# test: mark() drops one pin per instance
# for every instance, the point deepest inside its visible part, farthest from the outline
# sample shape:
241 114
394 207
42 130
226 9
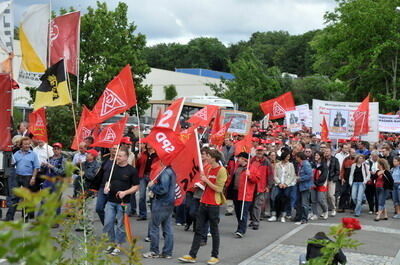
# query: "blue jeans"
292 199
357 194
101 204
180 215
396 194
161 215
142 199
115 232
381 193
242 222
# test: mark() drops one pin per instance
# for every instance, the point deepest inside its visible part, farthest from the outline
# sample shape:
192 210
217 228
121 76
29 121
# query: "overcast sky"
228 20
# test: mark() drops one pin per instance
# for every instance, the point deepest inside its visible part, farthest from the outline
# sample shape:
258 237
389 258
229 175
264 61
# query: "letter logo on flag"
277 107
204 116
38 124
111 135
64 37
33 35
119 96
111 102
361 117
170 118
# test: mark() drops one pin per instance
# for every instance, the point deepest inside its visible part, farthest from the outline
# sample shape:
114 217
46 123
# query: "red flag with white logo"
245 144
361 116
277 107
38 125
64 40
204 116
219 137
187 168
166 143
170 118
111 134
84 129
324 131
119 96
216 126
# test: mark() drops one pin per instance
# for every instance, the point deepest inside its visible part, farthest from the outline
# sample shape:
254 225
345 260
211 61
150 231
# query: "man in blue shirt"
26 167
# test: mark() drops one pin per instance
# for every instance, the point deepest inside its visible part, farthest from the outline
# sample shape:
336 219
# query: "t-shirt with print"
123 178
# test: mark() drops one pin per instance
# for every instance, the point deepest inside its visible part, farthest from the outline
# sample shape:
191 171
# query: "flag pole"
112 167
138 118
198 151
49 37
70 95
245 186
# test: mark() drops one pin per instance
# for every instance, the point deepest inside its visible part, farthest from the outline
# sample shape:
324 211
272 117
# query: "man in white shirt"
80 157
43 151
343 154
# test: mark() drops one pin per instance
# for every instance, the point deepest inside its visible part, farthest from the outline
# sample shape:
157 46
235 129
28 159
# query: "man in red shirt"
214 180
264 168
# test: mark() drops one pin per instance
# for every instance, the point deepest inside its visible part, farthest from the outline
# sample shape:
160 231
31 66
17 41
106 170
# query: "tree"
253 83
361 45
108 43
170 92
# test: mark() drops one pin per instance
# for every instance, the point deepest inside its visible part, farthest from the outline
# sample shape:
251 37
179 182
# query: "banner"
6 37
38 124
5 112
241 121
64 40
389 123
33 35
292 119
339 116
305 115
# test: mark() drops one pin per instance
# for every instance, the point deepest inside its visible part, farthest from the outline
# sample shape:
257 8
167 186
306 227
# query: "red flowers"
351 223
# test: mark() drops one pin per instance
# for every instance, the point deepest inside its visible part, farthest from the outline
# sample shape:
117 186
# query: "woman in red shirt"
383 183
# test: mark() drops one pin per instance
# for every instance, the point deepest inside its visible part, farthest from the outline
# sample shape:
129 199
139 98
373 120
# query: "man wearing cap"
241 186
55 169
26 168
263 165
126 143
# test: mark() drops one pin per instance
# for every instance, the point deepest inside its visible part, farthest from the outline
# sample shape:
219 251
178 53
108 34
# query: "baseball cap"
260 148
59 145
93 152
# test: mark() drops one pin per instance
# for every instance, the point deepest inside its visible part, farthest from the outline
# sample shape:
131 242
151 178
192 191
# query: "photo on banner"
241 121
330 109
293 121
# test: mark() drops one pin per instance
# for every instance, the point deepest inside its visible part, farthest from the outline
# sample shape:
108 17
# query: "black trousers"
371 197
206 213
345 196
16 181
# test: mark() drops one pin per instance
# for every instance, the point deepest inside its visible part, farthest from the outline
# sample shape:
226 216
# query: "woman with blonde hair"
383 183
359 175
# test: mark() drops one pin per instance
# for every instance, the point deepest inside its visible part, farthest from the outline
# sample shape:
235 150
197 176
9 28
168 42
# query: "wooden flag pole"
70 95
198 151
112 169
245 186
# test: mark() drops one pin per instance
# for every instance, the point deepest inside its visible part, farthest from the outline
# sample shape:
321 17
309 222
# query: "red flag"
84 130
119 96
361 118
111 134
64 40
324 131
166 143
216 124
170 118
204 116
219 137
187 167
5 112
245 144
277 107
158 117
38 125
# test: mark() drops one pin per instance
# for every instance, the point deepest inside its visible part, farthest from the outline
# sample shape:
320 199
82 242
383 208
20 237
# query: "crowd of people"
283 177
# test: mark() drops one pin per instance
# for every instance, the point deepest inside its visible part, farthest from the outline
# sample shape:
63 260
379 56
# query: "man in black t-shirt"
124 182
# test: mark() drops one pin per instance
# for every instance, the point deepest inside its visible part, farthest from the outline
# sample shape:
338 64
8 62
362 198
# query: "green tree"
108 43
253 83
167 56
360 45
208 53
170 92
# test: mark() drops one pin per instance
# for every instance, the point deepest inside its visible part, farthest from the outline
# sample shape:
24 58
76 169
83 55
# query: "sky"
228 20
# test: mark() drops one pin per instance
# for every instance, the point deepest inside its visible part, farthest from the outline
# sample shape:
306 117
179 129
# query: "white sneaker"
333 213
325 215
272 219
115 252
314 217
209 234
283 220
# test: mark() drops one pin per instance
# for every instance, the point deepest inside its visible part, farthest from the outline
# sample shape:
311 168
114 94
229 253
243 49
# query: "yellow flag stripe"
30 60
45 99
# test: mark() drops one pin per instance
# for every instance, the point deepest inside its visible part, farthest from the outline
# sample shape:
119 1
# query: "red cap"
354 139
126 140
234 134
93 152
260 148
341 141
390 139
255 139
59 145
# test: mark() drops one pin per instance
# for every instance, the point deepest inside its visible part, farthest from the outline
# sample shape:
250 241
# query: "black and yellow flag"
53 91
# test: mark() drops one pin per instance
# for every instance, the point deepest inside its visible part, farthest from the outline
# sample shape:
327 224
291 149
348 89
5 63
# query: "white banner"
305 115
339 116
293 120
389 123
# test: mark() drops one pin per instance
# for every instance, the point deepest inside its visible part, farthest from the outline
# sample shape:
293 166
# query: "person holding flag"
211 200
163 188
124 182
